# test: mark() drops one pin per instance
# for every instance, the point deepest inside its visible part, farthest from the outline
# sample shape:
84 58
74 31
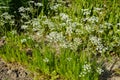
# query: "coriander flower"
64 44
97 9
95 40
24 16
46 60
21 9
38 4
55 37
69 59
14 32
69 30
93 19
64 16
55 7
87 68
36 23
108 24
24 26
23 40
6 16
77 41
27 9
31 2
118 24
86 11
99 70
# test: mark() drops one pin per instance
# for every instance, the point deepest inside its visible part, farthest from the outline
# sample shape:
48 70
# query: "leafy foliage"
62 39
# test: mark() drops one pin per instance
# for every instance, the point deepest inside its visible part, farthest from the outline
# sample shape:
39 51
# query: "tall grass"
69 43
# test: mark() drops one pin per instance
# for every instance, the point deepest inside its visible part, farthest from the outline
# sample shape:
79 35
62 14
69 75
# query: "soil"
10 71
111 69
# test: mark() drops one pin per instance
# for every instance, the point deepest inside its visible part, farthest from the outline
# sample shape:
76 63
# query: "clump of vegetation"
64 40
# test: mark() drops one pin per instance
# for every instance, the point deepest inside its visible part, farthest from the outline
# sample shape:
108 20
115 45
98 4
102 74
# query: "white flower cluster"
97 42
99 70
86 11
77 41
14 32
92 19
23 40
118 24
46 60
6 16
69 59
101 28
88 28
24 26
22 9
24 16
38 4
97 9
86 70
71 27
50 24
64 17
72 45
108 24
55 7
69 30
79 31
36 24
55 37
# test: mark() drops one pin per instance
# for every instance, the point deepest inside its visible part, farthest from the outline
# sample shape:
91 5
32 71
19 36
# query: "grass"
68 45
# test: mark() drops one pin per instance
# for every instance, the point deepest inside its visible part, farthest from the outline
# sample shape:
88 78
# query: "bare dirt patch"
9 71
111 69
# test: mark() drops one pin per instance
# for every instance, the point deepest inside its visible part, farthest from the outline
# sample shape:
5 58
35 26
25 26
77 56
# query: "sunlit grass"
66 45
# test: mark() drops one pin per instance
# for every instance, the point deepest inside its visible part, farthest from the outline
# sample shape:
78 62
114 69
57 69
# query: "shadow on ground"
111 70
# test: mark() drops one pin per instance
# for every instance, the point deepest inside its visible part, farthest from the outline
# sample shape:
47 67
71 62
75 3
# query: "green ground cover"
67 44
